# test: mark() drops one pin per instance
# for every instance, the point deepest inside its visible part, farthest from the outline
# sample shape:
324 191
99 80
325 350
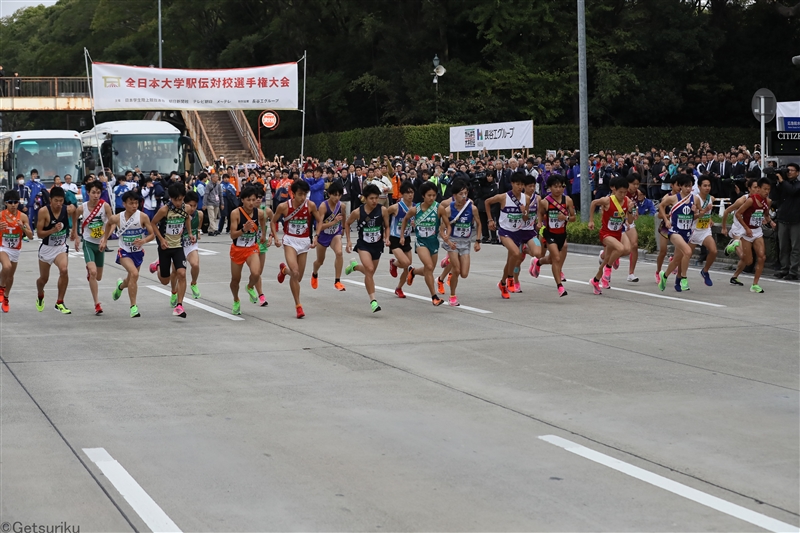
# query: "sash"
93 214
560 207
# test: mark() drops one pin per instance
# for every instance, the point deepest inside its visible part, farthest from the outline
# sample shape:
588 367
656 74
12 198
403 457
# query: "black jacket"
789 201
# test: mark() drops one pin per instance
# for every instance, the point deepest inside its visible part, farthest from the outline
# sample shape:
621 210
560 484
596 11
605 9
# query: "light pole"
438 70
159 35
586 189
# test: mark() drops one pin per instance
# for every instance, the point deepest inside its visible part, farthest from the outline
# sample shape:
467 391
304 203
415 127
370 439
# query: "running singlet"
298 225
613 218
370 225
397 221
57 238
554 225
427 222
682 218
754 215
171 226
336 229
461 227
12 236
131 230
511 212
533 207
248 238
186 240
93 230
704 221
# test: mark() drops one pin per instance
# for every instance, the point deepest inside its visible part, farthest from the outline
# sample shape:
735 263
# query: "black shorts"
559 239
170 255
373 250
394 242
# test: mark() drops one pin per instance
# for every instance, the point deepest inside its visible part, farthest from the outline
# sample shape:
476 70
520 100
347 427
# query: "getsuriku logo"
112 81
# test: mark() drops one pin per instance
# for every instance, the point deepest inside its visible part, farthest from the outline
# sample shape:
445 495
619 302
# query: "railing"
44 87
196 130
246 134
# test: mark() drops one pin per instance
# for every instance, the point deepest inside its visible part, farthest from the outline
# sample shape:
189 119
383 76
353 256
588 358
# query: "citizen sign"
270 120
786 136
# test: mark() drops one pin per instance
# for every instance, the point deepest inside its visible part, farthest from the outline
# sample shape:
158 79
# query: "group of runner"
530 225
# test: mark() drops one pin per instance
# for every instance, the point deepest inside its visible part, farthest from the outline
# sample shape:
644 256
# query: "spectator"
39 196
212 201
789 222
487 188
317 184
68 185
24 193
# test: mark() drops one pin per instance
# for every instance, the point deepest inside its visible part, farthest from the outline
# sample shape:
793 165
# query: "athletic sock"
336 280
558 285
59 302
596 280
41 295
314 275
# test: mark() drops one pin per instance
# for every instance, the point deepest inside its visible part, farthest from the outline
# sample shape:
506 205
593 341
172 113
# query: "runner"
634 181
169 224
426 220
263 246
297 214
135 231
752 215
559 211
663 231
532 244
96 213
53 227
461 224
736 232
190 249
247 222
329 235
513 215
402 252
14 226
373 234
701 234
684 210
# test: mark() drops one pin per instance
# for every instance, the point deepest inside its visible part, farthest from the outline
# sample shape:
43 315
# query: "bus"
144 144
50 152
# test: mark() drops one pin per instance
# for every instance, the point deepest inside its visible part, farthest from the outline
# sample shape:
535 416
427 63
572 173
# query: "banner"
122 88
499 136
788 114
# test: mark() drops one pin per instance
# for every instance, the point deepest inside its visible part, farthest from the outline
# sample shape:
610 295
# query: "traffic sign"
770 105
270 120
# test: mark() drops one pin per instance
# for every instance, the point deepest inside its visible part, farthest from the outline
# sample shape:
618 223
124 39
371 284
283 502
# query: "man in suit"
720 171
355 180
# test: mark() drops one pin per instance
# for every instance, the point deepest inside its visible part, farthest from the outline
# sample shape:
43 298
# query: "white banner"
499 136
122 88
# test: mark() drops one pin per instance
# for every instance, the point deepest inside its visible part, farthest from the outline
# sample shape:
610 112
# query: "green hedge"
432 138
579 232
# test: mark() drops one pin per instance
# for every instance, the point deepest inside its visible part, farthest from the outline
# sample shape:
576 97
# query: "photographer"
789 221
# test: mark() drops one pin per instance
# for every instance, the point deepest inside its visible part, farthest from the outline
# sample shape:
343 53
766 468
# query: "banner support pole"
303 132
87 58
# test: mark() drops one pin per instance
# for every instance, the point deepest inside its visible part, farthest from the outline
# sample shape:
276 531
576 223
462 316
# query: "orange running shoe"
314 280
338 286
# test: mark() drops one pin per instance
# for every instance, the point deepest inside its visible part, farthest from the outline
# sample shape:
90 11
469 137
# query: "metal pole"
87 58
586 189
303 133
763 133
159 35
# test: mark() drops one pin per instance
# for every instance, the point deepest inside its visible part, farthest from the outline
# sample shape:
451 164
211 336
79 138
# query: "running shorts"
189 249
698 236
373 250
239 254
757 234
515 236
92 254
13 253
462 246
394 242
170 255
136 257
300 244
559 239
48 254
663 231
262 247
431 243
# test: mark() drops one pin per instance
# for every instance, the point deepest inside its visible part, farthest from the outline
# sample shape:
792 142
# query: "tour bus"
143 144
50 152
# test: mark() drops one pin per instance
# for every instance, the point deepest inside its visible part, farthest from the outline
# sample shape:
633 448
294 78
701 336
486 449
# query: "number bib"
333 230
129 240
685 220
298 227
371 234
462 230
11 240
95 228
246 240
515 220
703 222
757 218
175 225
59 238
553 222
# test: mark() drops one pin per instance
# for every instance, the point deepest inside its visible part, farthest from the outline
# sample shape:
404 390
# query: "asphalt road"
659 411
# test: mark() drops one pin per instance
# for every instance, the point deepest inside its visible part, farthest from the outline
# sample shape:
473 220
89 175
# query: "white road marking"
698 302
204 307
423 298
141 502
203 251
737 511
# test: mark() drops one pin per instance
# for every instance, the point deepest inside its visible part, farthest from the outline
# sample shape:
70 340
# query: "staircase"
224 138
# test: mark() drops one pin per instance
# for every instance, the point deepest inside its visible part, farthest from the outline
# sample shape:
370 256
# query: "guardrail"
196 130
246 134
54 87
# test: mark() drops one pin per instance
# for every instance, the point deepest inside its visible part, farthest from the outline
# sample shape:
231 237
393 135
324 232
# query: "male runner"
329 235
373 234
532 244
634 181
96 213
555 211
663 231
751 216
513 215
190 249
297 214
684 210
701 234
170 222
263 244
14 225
615 211
52 227
246 223
737 230
426 221
402 252
461 224
135 231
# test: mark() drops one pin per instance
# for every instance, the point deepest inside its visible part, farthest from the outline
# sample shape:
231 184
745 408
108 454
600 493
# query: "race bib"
703 223
462 230
333 230
11 240
371 234
96 228
58 238
685 220
615 222
515 220
128 241
246 240
175 225
553 222
426 229
757 218
298 227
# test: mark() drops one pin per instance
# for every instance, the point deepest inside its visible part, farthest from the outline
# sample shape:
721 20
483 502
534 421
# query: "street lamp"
438 70
159 34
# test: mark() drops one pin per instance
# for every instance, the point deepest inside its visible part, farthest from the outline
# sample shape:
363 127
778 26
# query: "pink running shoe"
616 264
602 256
262 301
595 286
281 273
562 291
445 262
563 277
178 311
535 267
154 267
606 279
454 301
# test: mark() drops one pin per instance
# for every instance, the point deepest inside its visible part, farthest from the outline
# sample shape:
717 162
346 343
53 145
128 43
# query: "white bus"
50 152
143 144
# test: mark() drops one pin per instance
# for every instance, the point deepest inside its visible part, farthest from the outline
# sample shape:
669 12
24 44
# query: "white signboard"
499 136
122 88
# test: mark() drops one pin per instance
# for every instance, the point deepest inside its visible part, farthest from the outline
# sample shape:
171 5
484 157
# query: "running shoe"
338 286
735 281
98 310
392 268
445 262
563 278
262 301
153 267
135 311
374 306
662 282
351 267
117 291
399 293
606 279
517 288
562 291
731 248
658 277
63 309
195 291
173 300
633 278
300 313
411 276
535 267
281 273
40 304
178 311
756 288
314 280
706 278
602 256
510 283
4 305
439 286
454 301
616 264
253 294
503 290
684 284
237 308
436 301
448 279
596 286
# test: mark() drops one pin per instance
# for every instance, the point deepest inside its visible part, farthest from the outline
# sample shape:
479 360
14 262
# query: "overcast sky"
7 7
